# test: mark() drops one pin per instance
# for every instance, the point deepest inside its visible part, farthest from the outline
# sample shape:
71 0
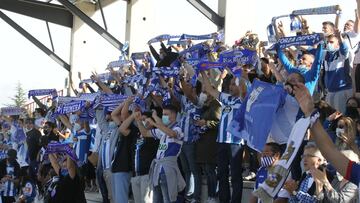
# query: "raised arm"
357 16
105 88
207 85
322 139
315 68
144 132
70 164
284 60
64 119
116 114
124 127
55 165
38 102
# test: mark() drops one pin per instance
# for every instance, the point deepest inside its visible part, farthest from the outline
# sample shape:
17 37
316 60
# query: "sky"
21 61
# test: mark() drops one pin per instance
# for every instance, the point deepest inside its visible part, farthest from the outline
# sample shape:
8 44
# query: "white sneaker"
251 176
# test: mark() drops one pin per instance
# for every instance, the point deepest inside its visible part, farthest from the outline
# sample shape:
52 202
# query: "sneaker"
211 200
251 176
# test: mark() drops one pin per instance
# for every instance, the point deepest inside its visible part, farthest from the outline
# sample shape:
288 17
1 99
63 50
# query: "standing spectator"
206 149
9 175
270 154
144 153
165 176
230 149
337 72
33 142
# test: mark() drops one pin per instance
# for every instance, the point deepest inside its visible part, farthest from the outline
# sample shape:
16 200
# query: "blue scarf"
70 107
317 11
11 111
41 92
302 40
243 57
119 63
162 37
198 37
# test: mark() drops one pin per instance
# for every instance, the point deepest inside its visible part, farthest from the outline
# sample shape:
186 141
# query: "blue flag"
198 37
253 120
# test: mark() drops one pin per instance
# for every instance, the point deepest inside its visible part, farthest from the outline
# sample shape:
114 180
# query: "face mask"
339 132
165 119
330 47
46 132
112 125
202 98
64 172
73 118
267 161
77 127
302 68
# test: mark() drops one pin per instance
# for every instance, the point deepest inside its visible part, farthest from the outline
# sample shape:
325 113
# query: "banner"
233 58
11 111
253 121
57 147
83 97
176 42
112 99
70 107
276 178
42 92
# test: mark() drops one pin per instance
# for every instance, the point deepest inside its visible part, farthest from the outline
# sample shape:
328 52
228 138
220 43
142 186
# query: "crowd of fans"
156 125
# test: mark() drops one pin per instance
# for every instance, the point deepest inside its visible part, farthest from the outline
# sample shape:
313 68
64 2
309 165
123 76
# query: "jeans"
189 167
140 189
102 184
160 192
107 175
230 154
120 186
211 179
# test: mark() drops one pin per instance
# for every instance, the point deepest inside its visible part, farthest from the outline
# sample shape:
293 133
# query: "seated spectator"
269 156
340 190
305 190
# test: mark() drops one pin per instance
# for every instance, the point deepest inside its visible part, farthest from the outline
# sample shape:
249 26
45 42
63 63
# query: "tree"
19 98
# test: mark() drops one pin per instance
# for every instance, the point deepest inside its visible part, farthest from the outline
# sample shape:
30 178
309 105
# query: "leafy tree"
19 98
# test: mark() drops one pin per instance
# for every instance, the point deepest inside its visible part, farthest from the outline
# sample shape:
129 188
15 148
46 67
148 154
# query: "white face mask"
77 127
73 118
339 132
202 98
112 125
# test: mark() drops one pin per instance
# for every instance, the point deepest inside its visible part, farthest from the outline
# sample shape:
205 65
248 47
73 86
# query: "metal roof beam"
208 12
97 28
41 10
34 41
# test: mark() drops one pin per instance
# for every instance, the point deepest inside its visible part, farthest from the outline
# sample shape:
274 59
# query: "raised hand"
304 98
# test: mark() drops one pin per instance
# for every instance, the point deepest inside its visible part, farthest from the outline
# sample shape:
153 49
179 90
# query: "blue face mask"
330 47
165 119
64 172
302 68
